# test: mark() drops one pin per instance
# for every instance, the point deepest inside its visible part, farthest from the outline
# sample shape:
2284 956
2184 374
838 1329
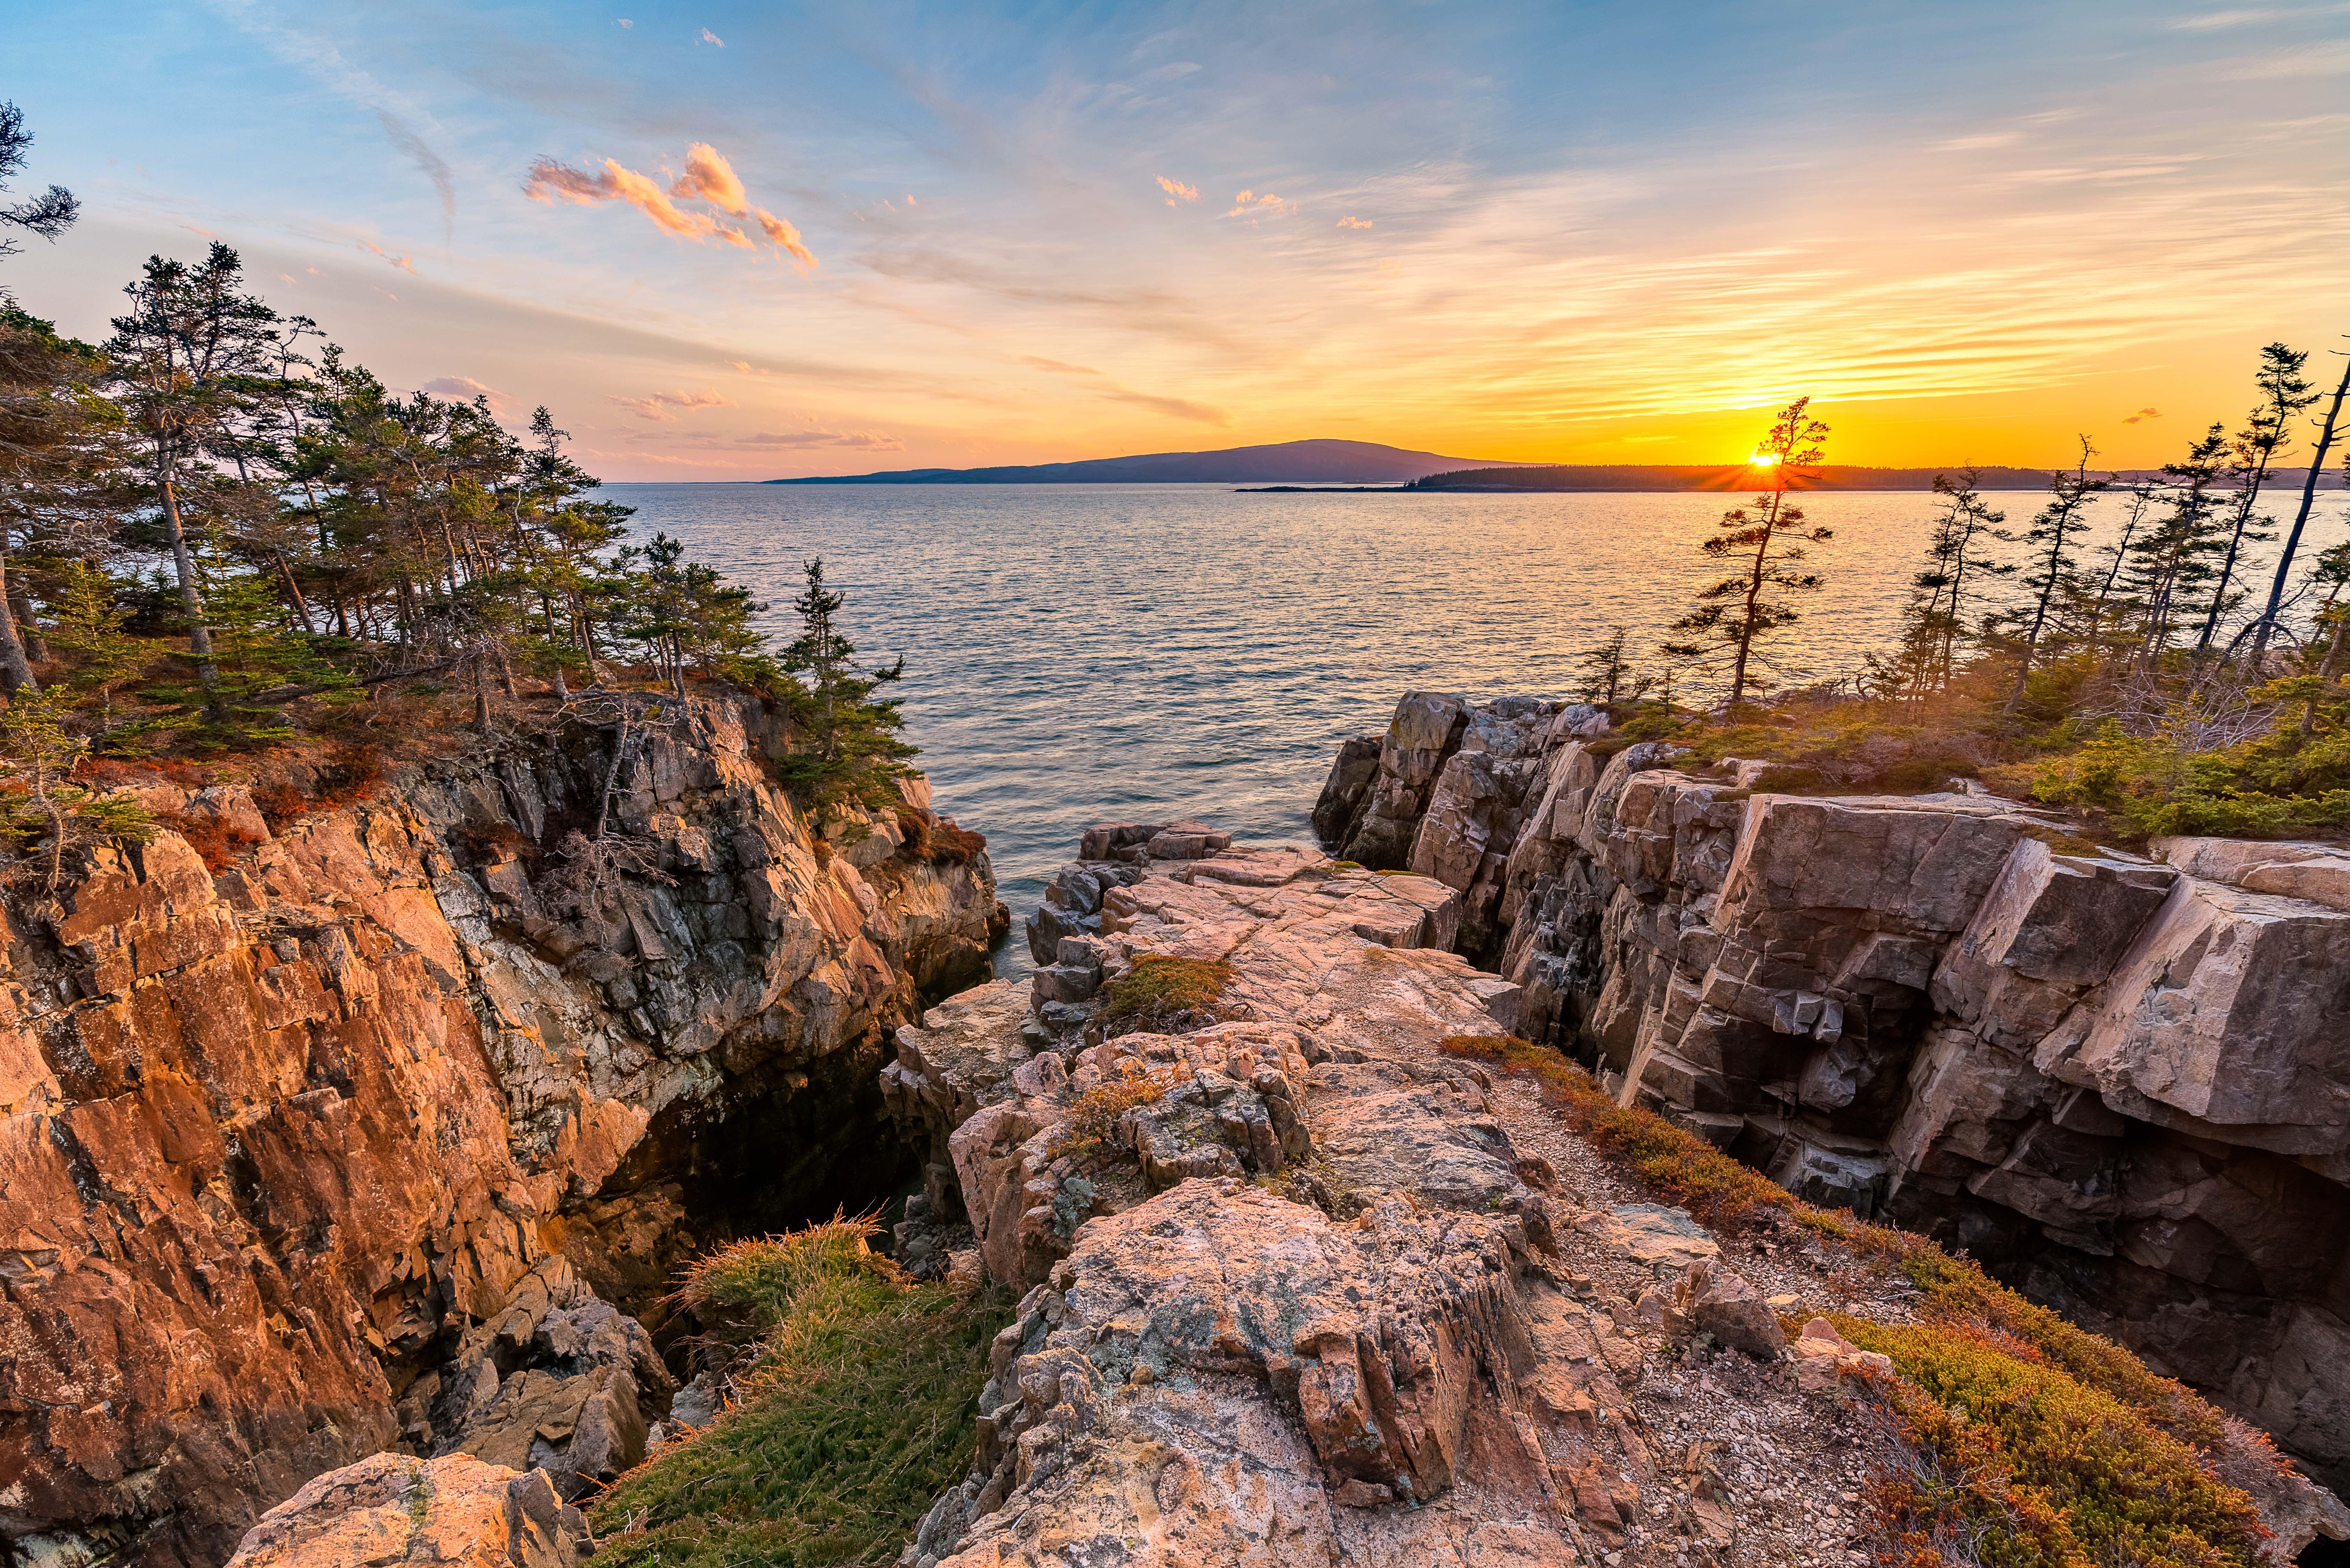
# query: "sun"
1762 460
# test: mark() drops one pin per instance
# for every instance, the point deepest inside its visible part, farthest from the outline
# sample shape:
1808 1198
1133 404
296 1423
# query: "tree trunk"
2301 518
192 599
16 671
301 605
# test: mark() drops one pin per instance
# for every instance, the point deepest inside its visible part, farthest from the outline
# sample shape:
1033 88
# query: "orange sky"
743 243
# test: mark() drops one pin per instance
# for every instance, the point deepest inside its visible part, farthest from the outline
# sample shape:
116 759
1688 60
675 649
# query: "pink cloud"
406 263
859 440
710 37
1260 204
1353 222
1176 190
708 177
465 389
657 405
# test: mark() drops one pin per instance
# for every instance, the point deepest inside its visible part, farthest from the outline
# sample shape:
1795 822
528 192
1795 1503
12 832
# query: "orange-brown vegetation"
2035 1441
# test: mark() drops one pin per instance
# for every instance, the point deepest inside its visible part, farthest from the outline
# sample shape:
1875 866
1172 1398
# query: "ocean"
1082 654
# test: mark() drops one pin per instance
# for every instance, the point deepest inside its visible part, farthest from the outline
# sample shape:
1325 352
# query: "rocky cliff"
1305 1283
363 1138
2122 1081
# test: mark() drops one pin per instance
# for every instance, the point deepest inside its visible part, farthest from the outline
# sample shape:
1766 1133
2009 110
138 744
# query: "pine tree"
2054 562
1737 613
2264 435
86 627
2171 565
1605 668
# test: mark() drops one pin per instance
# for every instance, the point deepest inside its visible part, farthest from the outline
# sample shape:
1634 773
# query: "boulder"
450 1512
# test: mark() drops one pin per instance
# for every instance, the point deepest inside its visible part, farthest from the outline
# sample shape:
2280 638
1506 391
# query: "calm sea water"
1082 654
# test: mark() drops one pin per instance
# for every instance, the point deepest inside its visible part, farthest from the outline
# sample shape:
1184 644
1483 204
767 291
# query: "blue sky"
1582 233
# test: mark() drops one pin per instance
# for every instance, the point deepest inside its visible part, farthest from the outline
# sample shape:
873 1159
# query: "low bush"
1094 1114
2063 1472
1165 995
856 1412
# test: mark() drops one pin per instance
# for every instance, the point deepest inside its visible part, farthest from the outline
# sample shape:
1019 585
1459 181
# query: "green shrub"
1163 994
857 1413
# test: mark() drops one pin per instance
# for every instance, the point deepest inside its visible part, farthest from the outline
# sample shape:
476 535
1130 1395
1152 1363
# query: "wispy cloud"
710 37
406 263
1177 191
666 408
856 440
708 177
433 167
1260 204
1174 71
465 389
2328 60
1979 141
1104 385
2141 414
1351 222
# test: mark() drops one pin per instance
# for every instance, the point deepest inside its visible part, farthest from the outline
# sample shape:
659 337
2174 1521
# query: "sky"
732 242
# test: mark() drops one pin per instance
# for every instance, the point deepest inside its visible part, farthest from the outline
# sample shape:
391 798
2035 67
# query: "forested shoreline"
219 534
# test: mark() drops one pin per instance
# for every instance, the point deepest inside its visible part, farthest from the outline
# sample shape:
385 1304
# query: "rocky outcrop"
1299 1289
1294 1277
324 1154
2118 1079
454 1512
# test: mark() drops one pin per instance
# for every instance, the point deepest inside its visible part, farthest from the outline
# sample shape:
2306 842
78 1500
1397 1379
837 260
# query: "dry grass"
2075 1451
1094 1114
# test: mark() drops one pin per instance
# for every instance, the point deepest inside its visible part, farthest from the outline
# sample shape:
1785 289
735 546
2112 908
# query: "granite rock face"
319 1156
1290 1281
1298 1280
454 1512
2119 1080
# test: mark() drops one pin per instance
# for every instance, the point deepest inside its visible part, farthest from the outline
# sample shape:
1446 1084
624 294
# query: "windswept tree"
47 215
1767 539
1607 668
2266 626
2054 563
2172 567
2266 434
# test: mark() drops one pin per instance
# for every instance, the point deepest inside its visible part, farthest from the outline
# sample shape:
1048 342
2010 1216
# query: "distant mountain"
1679 476
1283 463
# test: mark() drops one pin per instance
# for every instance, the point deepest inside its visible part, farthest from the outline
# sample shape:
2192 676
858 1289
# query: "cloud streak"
430 163
1177 191
667 408
406 263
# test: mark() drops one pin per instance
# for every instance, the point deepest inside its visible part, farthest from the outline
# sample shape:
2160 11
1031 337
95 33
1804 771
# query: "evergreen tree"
86 627
2172 566
2053 563
1605 668
2282 395
1736 614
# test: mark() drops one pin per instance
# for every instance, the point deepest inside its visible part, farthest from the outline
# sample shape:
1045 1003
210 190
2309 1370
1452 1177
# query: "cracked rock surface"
2118 1080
